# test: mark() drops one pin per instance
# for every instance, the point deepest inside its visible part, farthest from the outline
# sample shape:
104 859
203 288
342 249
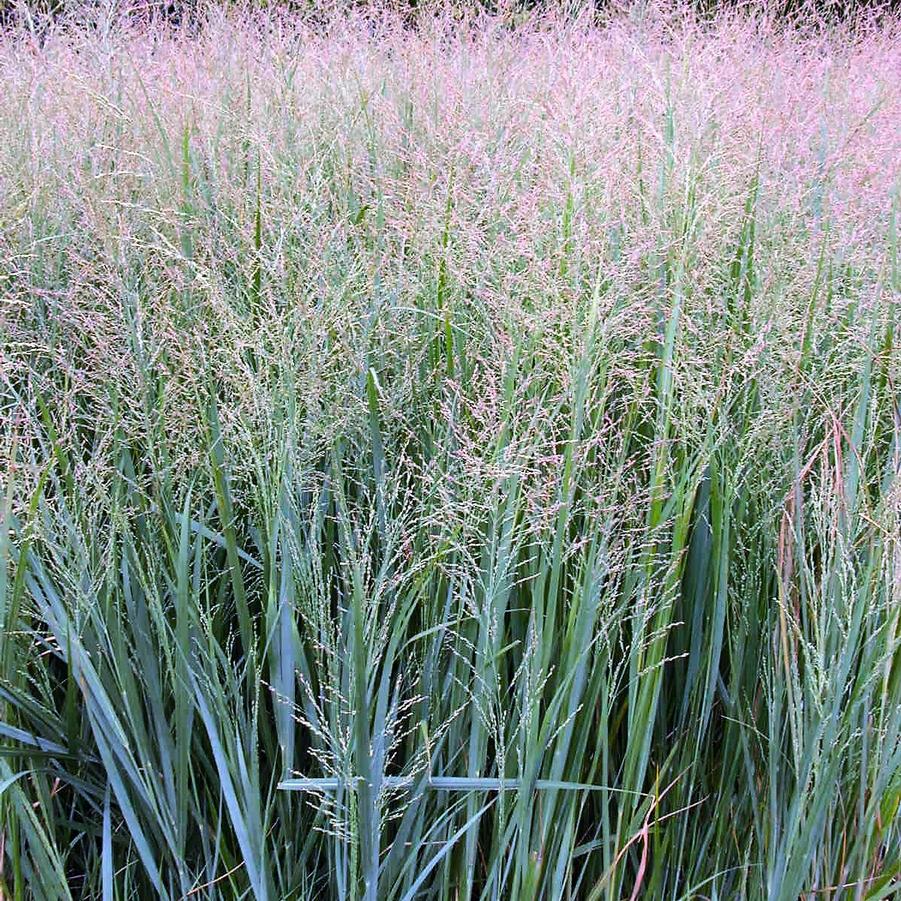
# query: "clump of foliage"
452 462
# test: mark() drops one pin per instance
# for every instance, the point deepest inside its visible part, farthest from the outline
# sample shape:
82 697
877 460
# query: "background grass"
497 428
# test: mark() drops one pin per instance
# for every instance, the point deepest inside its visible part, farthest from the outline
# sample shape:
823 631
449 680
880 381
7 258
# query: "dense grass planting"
453 462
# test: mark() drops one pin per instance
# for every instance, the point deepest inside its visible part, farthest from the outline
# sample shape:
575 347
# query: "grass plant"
489 430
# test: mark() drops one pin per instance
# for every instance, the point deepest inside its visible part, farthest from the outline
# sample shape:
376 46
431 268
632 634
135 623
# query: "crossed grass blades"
496 427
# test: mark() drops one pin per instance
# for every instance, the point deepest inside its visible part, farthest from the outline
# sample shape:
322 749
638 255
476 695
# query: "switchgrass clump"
450 458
